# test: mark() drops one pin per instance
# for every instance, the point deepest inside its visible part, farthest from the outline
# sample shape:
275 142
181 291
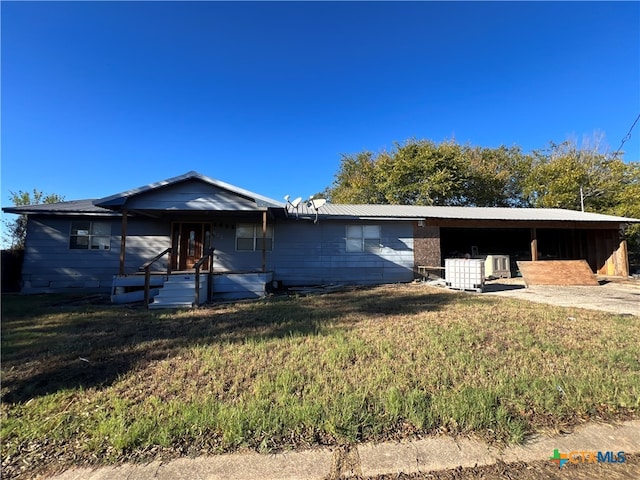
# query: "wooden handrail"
147 273
197 266
155 259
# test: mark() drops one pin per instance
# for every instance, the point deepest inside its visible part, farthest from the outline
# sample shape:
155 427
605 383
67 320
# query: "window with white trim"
249 237
88 235
363 238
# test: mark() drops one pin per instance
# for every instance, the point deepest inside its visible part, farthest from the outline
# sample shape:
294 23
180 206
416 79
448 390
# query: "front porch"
216 239
191 272
185 289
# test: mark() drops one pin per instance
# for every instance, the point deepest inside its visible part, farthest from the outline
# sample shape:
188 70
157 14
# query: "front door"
190 243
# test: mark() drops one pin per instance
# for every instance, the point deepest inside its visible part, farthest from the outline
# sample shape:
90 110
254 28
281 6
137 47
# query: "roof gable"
191 191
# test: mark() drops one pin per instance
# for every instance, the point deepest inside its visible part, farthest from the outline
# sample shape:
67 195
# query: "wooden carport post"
534 244
623 259
123 241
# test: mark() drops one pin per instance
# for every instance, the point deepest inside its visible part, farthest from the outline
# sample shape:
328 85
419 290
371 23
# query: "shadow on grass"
501 287
50 344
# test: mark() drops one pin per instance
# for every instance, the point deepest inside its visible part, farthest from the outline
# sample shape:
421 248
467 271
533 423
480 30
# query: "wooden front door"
190 243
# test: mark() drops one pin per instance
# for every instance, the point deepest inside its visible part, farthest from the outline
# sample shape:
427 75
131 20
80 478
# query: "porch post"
123 240
534 244
264 241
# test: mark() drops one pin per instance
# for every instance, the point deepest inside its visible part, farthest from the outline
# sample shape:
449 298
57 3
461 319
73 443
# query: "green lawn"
90 382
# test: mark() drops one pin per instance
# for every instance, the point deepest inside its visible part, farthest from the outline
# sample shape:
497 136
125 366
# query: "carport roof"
390 212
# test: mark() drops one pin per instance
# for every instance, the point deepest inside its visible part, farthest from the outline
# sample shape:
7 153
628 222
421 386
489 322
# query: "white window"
249 237
87 235
363 238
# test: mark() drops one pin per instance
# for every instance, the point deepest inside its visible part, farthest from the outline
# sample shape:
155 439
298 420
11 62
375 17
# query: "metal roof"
389 212
105 206
73 207
366 212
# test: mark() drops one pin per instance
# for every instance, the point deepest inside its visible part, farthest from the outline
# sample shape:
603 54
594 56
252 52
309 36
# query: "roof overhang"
70 208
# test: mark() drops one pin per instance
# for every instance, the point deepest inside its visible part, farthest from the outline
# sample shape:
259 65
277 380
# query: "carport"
604 250
553 235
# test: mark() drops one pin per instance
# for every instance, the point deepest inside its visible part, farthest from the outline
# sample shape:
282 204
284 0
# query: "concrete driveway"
621 297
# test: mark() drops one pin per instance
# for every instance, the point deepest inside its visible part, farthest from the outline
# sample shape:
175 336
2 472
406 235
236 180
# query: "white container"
464 274
497 266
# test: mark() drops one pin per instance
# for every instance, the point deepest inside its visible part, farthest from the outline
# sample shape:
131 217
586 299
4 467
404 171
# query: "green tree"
421 172
418 172
16 230
356 180
496 176
565 176
626 201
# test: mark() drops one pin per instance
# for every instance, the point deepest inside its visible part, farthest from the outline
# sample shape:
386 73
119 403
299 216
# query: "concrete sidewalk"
429 454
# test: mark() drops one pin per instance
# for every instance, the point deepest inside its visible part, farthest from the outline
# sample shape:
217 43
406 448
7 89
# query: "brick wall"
426 245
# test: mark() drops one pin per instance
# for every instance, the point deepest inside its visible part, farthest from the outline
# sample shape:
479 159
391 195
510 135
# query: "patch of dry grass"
98 383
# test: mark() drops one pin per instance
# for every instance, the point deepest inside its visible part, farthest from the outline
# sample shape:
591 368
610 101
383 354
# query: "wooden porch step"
179 291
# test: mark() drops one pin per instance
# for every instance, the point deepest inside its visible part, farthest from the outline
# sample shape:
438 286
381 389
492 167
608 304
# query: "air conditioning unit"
497 266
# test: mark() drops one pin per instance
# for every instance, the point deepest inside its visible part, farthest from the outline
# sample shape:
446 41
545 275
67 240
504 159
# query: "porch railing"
147 273
206 258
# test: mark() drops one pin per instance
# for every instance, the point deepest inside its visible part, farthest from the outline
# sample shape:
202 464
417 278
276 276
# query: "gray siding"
146 238
304 253
50 265
307 253
226 258
190 196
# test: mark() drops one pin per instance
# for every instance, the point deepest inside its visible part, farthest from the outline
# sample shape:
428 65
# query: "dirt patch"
543 470
620 297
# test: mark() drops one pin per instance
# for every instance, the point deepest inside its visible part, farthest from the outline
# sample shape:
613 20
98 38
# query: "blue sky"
101 97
